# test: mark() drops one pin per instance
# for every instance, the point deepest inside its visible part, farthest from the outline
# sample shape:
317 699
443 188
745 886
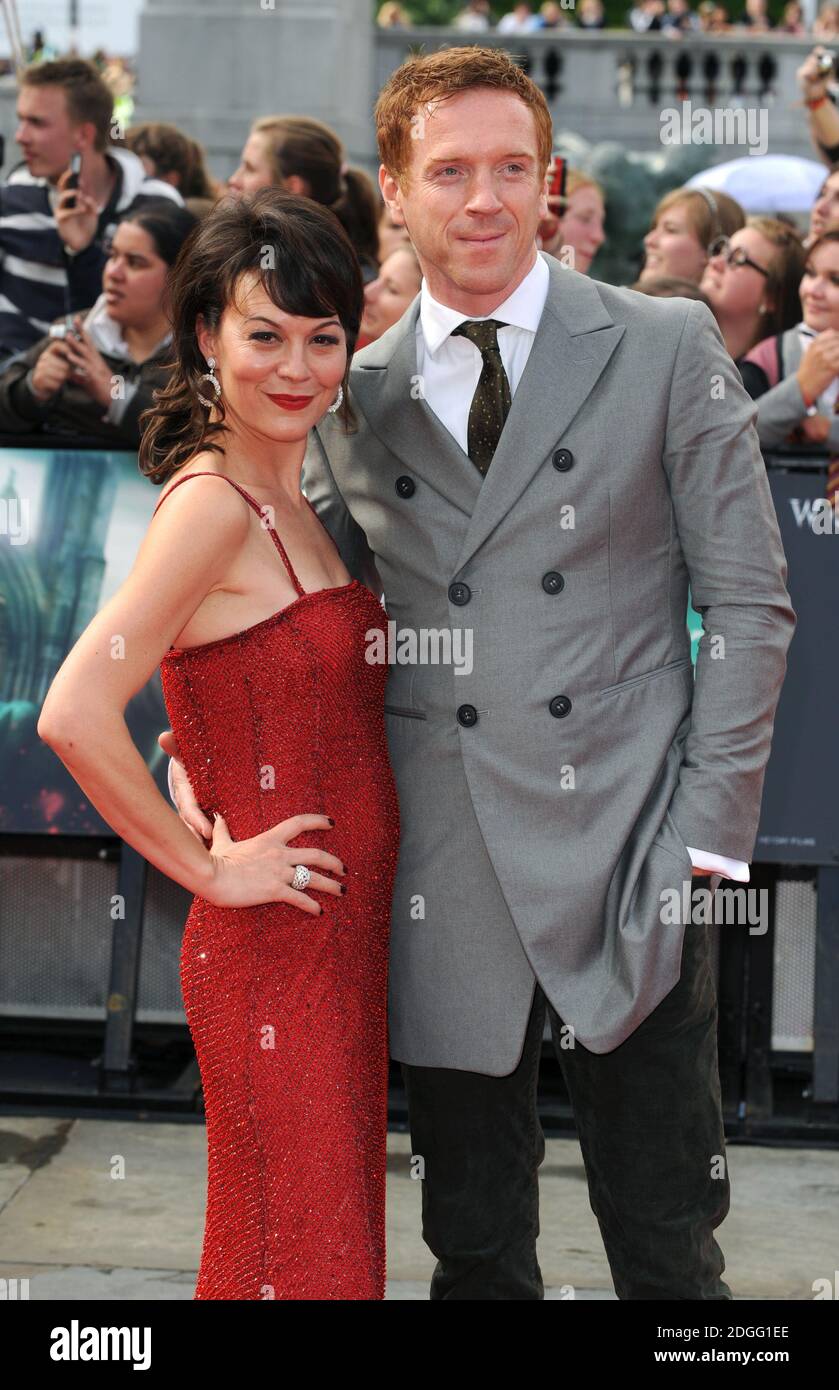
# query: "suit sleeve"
322 491
728 532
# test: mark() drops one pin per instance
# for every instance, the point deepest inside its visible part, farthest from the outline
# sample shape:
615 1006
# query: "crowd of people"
674 17
85 258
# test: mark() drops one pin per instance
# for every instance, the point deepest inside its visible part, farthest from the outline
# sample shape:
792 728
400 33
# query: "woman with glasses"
752 280
794 376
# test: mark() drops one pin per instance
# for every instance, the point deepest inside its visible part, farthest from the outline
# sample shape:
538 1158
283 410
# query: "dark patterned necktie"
491 401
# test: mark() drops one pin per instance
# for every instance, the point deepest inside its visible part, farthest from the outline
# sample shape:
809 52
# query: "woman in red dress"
240 597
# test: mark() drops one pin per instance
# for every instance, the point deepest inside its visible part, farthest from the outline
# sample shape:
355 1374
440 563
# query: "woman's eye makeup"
265 335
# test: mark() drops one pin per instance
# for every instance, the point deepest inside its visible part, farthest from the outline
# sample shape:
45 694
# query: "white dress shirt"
449 369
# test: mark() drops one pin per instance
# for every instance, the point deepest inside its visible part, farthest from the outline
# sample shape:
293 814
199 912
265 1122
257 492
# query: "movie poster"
71 522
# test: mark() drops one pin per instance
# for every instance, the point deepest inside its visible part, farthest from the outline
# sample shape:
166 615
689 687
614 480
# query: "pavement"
104 1209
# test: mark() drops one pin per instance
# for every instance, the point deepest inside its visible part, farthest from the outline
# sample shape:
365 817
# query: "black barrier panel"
799 821
71 522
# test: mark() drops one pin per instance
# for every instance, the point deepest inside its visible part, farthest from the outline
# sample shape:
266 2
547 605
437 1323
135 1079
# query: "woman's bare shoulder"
204 507
206 462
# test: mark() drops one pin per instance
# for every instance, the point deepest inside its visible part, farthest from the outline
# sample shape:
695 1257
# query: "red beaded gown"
288 1011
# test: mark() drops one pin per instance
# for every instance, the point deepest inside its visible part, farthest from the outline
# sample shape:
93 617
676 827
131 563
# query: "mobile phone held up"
73 181
559 173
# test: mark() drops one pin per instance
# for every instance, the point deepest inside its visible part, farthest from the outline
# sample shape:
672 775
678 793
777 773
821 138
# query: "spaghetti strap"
256 507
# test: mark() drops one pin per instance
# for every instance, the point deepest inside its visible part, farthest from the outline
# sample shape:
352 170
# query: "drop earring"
337 401
213 379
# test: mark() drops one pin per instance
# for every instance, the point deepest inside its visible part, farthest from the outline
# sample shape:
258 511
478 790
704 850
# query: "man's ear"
391 195
544 210
85 137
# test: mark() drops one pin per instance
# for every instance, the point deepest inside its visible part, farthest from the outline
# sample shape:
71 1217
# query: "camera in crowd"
67 329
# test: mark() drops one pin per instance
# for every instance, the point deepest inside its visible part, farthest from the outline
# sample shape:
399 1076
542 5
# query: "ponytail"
357 209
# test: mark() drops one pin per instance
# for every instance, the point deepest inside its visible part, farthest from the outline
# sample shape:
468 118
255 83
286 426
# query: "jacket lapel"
574 342
384 381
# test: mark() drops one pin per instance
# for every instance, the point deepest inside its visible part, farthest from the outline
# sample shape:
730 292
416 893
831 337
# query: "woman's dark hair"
167 223
303 146
306 265
172 152
357 209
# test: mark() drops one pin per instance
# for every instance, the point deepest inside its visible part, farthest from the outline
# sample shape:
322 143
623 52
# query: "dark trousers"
649 1121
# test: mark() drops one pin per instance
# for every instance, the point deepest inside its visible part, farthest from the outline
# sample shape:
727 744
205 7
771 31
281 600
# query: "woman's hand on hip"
261 869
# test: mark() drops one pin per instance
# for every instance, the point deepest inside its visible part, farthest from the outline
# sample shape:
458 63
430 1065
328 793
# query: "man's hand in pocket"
187 807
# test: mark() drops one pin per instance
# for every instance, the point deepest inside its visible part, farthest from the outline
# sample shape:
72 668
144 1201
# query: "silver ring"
301 877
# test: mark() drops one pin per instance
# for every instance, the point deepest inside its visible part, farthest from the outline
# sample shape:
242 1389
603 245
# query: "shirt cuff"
718 864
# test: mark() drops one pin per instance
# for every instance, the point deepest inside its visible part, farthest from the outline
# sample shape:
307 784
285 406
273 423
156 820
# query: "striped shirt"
39 280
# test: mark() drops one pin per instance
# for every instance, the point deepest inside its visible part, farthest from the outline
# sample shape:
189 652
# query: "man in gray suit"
542 464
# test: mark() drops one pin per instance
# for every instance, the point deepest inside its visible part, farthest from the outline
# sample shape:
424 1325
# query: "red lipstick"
290 402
